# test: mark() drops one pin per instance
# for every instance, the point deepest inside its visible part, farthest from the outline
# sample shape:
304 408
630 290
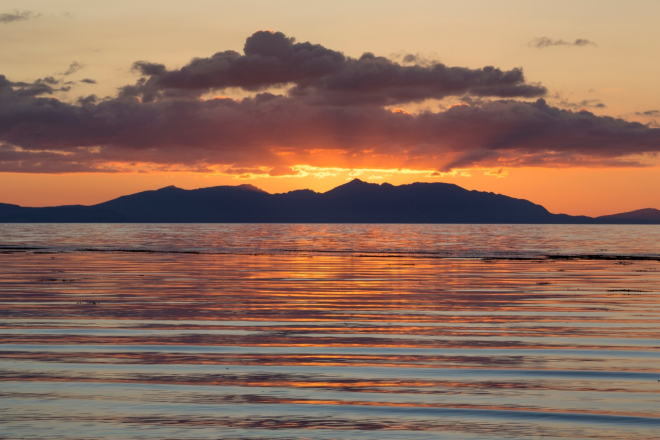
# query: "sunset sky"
556 102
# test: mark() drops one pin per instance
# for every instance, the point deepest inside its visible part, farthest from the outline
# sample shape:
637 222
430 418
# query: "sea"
329 331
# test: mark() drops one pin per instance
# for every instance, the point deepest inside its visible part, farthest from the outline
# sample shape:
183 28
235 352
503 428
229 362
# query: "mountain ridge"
353 202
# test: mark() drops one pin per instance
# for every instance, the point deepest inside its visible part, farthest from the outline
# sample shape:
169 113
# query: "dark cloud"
42 86
648 113
266 129
18 90
73 68
16 16
49 80
584 104
653 123
414 58
88 81
380 81
307 125
543 42
15 160
325 76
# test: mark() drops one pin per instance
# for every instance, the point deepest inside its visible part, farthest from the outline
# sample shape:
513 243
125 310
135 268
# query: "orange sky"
613 74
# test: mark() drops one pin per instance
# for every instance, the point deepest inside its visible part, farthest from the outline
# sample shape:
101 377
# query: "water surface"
432 240
329 331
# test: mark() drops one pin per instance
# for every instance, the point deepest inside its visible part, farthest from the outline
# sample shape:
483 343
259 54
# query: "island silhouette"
354 202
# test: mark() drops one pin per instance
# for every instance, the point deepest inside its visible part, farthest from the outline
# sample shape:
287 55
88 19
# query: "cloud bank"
335 111
323 76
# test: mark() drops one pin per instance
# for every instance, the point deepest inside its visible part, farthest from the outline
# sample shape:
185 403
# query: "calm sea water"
329 331
462 241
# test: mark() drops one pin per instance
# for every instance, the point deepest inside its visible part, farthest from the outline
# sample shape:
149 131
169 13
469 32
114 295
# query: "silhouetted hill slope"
243 203
6 209
640 216
358 201
353 202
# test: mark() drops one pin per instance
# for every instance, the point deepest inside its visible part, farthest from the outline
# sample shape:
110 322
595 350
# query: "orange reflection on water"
288 331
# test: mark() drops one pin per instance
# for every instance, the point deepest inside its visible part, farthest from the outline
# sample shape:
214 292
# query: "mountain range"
353 202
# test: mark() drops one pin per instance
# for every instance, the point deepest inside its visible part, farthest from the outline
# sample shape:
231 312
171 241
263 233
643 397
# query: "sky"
555 102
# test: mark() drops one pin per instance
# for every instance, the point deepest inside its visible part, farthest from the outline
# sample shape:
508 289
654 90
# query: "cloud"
280 171
88 81
42 86
543 42
73 68
279 131
303 126
648 113
584 104
325 76
498 173
653 123
13 159
16 16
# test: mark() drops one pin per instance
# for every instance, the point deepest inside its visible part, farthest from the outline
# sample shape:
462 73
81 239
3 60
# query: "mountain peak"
248 187
353 185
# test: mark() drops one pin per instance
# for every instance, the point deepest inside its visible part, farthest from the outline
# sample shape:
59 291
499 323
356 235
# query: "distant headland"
353 202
